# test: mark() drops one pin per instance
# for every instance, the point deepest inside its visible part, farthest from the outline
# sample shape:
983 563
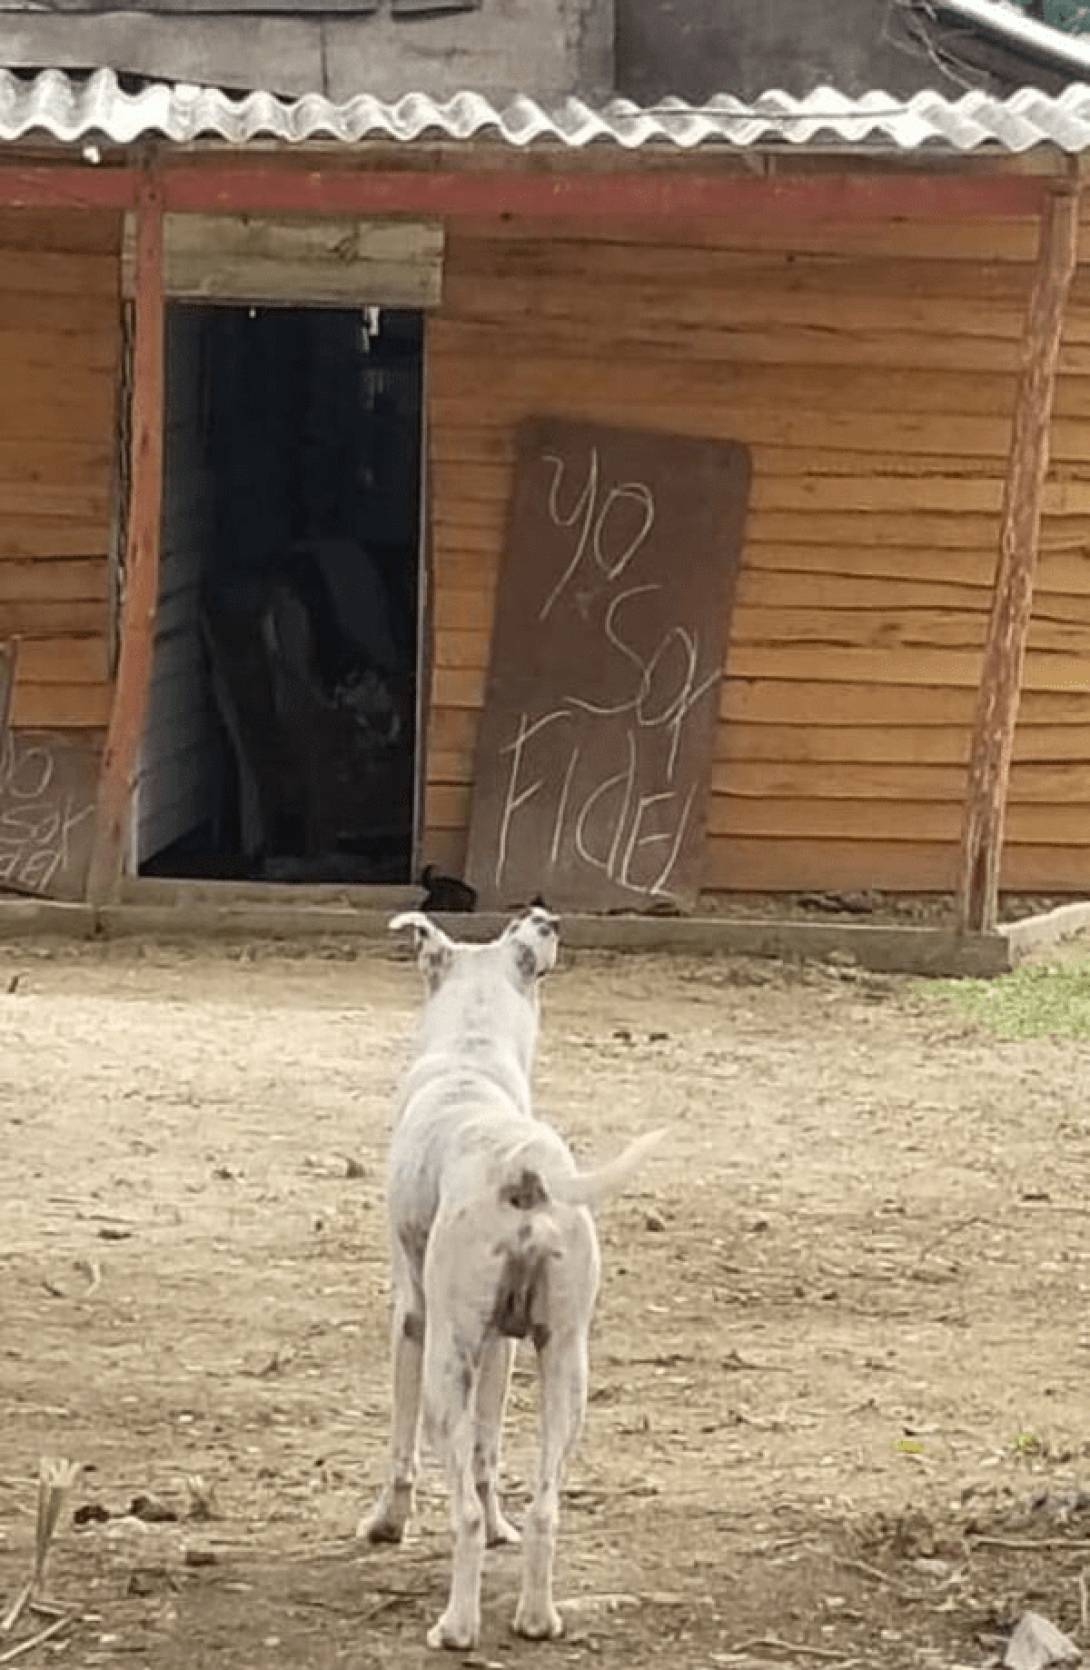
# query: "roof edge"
72 110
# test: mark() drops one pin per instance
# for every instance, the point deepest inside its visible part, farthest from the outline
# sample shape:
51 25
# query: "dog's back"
468 1085
492 1241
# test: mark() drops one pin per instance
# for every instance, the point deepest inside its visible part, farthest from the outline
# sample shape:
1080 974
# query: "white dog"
491 1241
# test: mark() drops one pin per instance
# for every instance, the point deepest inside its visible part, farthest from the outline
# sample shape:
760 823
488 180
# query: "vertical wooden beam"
141 572
1008 626
9 661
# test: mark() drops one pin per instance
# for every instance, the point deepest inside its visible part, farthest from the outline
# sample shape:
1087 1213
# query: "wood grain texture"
872 368
344 263
141 553
1007 663
774 864
51 583
59 335
77 707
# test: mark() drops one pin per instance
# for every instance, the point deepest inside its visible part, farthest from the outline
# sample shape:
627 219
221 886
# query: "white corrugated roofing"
73 109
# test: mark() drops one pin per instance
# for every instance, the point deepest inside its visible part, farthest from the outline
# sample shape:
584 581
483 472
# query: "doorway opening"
281 736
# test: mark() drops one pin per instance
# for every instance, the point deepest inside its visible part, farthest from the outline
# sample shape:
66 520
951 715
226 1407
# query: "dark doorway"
281 736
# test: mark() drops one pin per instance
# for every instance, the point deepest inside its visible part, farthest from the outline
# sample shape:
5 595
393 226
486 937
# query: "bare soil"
839 1409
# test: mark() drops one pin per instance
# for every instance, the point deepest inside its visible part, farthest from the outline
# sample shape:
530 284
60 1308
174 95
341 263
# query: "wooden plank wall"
59 350
871 368
175 788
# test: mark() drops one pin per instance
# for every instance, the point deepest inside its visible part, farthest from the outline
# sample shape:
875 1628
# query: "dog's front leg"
386 1521
495 1374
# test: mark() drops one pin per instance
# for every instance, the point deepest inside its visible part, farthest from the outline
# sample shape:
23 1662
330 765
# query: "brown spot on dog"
435 961
520 1306
526 1193
413 1328
514 1297
541 1335
414 1242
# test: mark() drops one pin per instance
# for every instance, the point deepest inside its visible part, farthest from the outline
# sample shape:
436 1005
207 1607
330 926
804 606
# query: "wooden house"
241 334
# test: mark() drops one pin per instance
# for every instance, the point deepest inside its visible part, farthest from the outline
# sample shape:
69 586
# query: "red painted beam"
630 193
141 590
68 187
279 188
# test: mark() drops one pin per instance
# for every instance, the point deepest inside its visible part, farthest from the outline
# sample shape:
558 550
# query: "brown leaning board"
612 622
48 783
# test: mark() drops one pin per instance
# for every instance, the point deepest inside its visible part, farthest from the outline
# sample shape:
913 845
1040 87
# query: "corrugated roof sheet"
73 109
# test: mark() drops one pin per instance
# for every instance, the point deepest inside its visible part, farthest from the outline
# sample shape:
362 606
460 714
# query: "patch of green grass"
1039 1000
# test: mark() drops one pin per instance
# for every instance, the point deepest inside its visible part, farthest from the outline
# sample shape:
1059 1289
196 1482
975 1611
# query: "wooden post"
1008 626
9 661
141 573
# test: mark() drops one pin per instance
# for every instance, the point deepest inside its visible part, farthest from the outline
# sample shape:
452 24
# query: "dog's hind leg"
450 1395
387 1519
491 1397
562 1364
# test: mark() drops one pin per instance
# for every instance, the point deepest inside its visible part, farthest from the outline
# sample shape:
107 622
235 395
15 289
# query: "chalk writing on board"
593 759
630 836
44 809
600 522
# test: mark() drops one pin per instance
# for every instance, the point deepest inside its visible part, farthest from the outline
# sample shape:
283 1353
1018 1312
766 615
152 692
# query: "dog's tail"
534 1186
590 1188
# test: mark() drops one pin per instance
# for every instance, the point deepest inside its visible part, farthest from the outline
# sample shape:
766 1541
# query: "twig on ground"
1024 1545
773 1644
55 1479
17 1608
949 1233
33 1641
869 1571
390 1598
388 1605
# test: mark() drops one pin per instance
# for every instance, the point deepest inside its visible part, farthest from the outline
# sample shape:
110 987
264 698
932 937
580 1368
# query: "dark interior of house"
293 482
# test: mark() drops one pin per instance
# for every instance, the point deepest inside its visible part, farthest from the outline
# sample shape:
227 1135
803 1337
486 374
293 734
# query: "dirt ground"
839 1410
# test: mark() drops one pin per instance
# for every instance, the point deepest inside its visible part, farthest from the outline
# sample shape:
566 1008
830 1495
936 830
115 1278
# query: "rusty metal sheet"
48 786
611 629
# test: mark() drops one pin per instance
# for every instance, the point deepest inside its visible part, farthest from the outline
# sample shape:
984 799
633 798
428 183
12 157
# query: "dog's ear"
532 939
434 949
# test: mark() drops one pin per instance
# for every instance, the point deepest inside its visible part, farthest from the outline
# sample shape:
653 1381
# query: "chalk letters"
593 753
44 812
630 836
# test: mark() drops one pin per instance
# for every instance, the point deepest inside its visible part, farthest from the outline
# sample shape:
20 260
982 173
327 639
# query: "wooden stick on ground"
56 1477
33 1641
1028 1545
773 1644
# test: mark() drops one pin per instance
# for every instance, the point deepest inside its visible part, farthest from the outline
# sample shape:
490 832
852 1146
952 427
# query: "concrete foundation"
256 911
